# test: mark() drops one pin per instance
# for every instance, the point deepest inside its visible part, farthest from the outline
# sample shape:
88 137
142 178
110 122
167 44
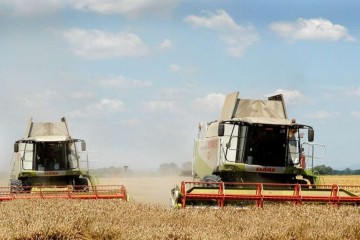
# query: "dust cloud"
148 189
4 179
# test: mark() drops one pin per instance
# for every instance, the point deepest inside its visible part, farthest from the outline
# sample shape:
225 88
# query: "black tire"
212 179
81 184
16 186
27 185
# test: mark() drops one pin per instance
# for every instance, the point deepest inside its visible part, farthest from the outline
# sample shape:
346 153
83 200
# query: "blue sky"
134 77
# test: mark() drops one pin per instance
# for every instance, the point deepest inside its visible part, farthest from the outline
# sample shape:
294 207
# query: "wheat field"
342 179
150 218
113 219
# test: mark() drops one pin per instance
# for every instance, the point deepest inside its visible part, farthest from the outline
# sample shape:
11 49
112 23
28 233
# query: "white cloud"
172 93
82 95
131 8
132 122
37 100
174 68
166 44
290 96
357 92
212 102
154 106
96 44
122 82
355 114
219 20
183 70
236 37
311 29
27 8
161 106
324 115
104 106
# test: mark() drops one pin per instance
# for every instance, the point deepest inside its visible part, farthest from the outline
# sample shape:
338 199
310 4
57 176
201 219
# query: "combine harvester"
254 153
49 163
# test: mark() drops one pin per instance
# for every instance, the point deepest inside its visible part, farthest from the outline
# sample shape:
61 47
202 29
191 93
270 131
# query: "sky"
135 77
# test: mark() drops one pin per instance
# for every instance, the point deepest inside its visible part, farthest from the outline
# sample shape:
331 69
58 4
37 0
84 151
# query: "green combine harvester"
49 163
255 153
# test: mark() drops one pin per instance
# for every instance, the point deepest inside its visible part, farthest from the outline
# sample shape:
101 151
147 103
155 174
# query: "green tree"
324 170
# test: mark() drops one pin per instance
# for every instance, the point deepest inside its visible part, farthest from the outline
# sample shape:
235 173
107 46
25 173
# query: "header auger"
255 153
49 163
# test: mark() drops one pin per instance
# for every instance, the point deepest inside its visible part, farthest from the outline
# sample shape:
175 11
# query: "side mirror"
221 129
83 146
16 147
311 133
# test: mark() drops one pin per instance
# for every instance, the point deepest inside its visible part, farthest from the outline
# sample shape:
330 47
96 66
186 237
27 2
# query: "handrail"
312 153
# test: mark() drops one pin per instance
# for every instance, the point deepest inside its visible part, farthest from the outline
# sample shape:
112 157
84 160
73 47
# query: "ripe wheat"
113 219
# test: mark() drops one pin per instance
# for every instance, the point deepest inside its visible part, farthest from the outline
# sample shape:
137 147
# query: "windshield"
266 145
52 156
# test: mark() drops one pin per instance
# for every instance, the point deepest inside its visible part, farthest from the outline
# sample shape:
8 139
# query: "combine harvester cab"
49 163
255 153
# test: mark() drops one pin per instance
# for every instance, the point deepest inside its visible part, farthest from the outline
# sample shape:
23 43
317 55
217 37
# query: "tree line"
185 169
164 169
326 170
